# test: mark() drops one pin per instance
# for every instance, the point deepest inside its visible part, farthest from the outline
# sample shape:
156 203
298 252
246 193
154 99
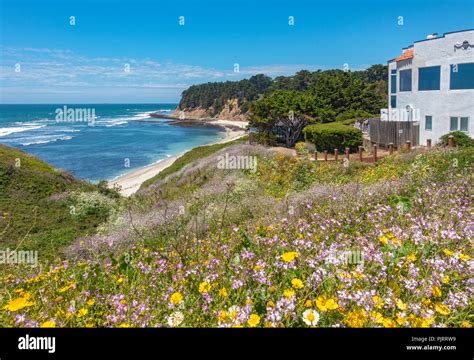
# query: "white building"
432 83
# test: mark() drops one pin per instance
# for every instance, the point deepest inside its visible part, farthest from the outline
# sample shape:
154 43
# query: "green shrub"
91 204
461 139
333 136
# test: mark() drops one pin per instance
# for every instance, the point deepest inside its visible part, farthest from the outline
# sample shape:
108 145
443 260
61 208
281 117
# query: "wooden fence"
398 133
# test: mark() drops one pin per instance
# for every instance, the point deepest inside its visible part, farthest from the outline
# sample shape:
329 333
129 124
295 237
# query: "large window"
462 76
429 78
393 101
405 80
393 81
428 123
457 123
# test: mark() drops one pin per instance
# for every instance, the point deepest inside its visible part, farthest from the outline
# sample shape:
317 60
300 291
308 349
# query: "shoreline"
130 182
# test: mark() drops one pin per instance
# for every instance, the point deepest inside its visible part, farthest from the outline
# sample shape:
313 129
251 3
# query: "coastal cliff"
230 111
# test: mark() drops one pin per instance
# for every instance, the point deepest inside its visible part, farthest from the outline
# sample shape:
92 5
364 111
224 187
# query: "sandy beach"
130 183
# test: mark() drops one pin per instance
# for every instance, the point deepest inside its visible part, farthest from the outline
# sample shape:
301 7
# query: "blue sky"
88 62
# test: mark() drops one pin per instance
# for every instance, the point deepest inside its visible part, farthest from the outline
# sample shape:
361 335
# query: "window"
393 101
462 76
453 125
464 124
429 78
428 123
405 80
393 81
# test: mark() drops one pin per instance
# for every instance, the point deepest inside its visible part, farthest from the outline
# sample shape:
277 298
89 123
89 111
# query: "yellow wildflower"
297 284
376 317
464 257
308 303
289 293
389 323
66 288
383 239
446 279
223 292
442 309
48 324
176 298
448 252
223 316
289 256
465 324
356 318
254 320
90 302
204 287
436 291
18 304
401 305
378 303
325 304
82 312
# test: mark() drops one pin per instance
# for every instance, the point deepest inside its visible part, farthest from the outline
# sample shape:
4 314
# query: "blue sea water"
121 135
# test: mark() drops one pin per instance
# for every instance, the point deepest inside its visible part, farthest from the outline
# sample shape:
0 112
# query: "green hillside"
38 205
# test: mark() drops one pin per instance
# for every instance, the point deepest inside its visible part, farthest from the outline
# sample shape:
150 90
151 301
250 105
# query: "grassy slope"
188 158
415 232
415 229
31 217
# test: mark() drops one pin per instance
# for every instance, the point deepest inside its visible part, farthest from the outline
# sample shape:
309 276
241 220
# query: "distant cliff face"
230 111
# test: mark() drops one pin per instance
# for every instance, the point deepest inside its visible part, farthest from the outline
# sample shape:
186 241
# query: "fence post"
390 148
375 152
361 149
336 152
325 155
450 140
315 155
347 153
408 145
428 143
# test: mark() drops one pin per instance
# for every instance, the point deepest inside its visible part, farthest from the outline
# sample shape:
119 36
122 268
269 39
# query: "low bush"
333 136
461 139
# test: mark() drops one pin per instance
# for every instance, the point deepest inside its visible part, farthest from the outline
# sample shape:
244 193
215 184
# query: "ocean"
117 139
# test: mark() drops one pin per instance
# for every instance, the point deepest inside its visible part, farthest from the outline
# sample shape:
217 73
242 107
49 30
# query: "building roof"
407 54
401 57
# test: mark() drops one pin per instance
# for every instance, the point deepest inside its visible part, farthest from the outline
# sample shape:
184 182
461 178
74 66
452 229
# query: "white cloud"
63 71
